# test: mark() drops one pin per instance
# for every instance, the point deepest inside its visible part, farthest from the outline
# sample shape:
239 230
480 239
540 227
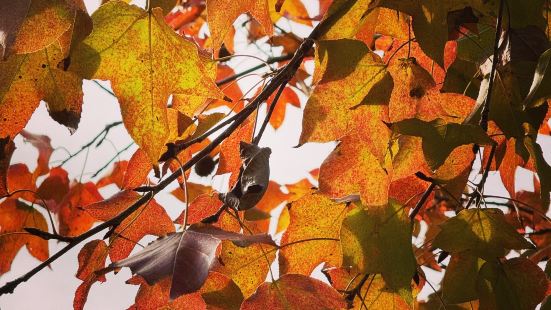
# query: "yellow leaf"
146 62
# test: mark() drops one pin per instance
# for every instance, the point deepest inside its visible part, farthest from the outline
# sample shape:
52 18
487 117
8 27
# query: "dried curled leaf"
187 256
253 179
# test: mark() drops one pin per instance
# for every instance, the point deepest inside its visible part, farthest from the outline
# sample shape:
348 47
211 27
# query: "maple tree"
425 100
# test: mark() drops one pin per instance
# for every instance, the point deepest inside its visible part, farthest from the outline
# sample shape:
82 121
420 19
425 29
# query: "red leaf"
54 188
45 150
150 219
14 216
90 259
115 176
73 220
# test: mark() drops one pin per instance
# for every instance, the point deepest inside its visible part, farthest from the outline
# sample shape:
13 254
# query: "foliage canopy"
425 98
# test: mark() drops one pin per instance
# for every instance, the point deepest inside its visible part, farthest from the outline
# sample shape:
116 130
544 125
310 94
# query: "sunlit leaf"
141 46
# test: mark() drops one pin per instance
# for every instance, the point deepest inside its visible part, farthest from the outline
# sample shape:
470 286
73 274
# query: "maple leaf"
20 178
329 111
192 255
73 219
15 215
459 283
517 283
352 168
37 71
54 188
222 13
483 231
115 176
306 223
157 296
429 22
305 292
291 9
90 258
441 138
247 266
150 219
365 236
44 148
28 78
141 46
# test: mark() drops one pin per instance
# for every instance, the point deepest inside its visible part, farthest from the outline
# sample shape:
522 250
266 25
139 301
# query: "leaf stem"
256 140
283 76
486 107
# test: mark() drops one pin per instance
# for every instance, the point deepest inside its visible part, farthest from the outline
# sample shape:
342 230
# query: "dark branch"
283 76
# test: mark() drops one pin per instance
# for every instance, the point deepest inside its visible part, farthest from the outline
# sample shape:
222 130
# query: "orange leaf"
90 259
288 96
115 176
222 13
353 169
157 297
306 223
73 219
150 219
303 291
137 170
14 216
20 178
201 207
45 150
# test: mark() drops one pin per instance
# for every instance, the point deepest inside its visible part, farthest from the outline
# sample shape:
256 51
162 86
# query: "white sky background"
54 288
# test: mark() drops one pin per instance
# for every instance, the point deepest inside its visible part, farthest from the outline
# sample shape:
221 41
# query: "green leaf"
541 85
459 283
483 231
146 62
441 138
517 283
378 240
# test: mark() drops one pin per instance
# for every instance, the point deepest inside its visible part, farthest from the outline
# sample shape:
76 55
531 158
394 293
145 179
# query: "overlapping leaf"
295 291
142 75
150 219
222 14
14 216
484 232
366 236
187 256
313 216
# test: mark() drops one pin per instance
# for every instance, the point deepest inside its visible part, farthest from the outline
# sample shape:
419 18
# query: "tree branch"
283 76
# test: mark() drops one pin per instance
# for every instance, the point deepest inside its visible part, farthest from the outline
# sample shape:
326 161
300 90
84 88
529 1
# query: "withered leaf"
253 179
187 256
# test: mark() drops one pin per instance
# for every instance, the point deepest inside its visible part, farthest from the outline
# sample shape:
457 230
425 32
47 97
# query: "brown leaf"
253 178
187 256
12 15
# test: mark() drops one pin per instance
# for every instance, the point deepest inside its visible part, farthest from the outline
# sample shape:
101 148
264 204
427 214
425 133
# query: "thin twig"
422 201
270 60
111 160
283 75
486 107
256 140
103 133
